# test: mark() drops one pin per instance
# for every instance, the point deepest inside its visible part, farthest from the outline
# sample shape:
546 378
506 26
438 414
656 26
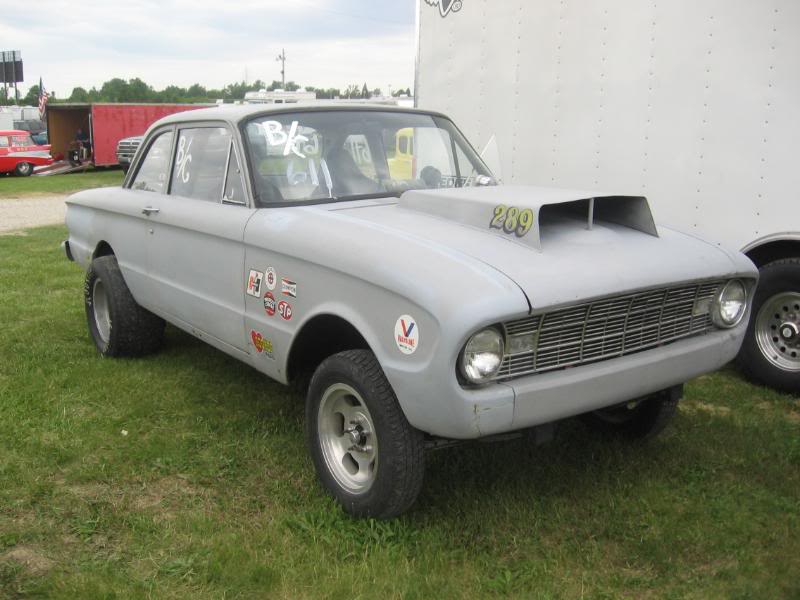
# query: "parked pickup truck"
126 150
415 309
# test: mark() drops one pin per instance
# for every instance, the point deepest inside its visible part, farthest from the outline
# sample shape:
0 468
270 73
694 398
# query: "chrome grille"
610 327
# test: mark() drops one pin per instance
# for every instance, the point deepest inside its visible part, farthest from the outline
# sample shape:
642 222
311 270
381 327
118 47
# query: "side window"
200 163
3 141
152 174
234 189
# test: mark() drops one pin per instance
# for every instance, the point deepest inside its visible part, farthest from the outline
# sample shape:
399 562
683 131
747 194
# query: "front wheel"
365 452
770 353
24 169
641 419
117 324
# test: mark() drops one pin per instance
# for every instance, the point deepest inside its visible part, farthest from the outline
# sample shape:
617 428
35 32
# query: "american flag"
42 99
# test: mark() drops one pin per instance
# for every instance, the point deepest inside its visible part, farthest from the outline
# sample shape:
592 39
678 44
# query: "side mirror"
491 156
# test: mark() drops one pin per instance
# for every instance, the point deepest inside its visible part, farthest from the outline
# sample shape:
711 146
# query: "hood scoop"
523 214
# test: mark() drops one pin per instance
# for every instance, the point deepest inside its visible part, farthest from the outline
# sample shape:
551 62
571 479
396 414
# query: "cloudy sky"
329 43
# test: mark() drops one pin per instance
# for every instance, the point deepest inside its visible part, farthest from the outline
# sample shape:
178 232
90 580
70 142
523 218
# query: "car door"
125 226
196 250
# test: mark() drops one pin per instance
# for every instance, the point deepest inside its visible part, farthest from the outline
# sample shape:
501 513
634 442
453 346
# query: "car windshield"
321 156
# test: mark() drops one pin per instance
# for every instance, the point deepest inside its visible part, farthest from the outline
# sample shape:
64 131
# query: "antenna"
282 59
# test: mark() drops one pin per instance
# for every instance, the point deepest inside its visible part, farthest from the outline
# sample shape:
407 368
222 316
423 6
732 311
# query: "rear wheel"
770 353
644 418
24 169
365 452
117 324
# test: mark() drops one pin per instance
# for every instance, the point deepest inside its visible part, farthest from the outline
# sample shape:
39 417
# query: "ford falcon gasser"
418 300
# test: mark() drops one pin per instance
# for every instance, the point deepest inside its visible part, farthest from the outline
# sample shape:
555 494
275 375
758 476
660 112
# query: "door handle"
149 210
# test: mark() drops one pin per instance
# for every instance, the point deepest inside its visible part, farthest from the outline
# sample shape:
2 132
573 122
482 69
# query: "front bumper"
547 397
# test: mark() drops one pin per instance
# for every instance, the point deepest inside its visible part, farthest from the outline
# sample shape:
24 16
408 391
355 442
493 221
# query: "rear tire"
770 353
117 324
366 453
641 419
24 169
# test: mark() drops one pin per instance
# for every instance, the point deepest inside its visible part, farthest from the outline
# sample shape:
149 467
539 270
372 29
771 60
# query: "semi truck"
694 104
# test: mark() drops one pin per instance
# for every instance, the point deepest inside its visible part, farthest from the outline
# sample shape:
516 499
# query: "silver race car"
368 254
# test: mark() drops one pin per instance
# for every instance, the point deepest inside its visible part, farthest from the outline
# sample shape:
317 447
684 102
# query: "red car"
19 154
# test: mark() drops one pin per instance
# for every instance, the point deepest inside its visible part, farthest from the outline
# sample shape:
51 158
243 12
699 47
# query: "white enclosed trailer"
694 104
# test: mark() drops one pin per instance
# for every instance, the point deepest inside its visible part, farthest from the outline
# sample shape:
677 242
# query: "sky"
328 43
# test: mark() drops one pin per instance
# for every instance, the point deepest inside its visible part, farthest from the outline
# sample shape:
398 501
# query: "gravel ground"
21 213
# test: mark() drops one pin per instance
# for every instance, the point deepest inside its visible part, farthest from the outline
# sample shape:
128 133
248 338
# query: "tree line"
136 90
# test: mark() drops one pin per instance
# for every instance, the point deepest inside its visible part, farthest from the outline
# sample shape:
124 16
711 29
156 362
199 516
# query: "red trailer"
105 123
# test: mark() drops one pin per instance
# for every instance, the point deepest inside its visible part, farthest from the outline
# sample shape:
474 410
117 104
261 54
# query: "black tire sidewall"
24 169
775 277
646 421
383 409
99 270
134 330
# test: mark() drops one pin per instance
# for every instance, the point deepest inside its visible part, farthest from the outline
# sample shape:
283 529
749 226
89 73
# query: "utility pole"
282 59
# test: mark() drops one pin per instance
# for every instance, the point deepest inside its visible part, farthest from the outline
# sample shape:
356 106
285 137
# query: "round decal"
285 310
271 278
269 303
406 334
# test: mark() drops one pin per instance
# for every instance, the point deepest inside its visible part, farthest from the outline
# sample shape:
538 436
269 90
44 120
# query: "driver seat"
347 178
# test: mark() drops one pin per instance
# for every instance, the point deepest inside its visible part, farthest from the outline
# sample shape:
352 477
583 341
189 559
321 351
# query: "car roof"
235 113
14 132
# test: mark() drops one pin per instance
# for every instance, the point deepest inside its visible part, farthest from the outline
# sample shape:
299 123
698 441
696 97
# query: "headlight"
482 356
730 304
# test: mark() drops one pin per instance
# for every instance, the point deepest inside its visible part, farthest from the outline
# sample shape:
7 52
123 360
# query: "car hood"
581 245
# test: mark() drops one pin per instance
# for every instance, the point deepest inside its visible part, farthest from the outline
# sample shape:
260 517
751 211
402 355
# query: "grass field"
20 187
185 474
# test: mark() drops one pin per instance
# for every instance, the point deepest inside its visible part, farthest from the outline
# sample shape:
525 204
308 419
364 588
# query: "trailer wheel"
770 353
24 169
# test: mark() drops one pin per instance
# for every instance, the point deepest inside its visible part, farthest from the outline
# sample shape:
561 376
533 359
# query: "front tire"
365 452
117 324
641 419
770 353
24 169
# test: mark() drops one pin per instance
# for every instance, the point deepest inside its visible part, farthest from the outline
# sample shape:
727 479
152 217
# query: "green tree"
172 93
138 91
114 90
196 91
32 97
79 94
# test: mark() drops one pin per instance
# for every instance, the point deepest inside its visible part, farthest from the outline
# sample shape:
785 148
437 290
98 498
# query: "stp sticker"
269 303
254 283
262 345
285 310
270 278
406 334
289 287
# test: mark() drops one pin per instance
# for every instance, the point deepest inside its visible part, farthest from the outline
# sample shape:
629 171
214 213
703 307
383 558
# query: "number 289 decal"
512 219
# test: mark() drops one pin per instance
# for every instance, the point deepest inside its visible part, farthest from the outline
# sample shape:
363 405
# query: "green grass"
20 187
211 493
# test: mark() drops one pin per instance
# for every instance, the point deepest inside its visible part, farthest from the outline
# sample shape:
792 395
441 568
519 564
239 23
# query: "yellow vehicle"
401 166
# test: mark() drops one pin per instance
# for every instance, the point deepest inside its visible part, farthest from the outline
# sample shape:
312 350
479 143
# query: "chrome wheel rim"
347 438
777 330
102 316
